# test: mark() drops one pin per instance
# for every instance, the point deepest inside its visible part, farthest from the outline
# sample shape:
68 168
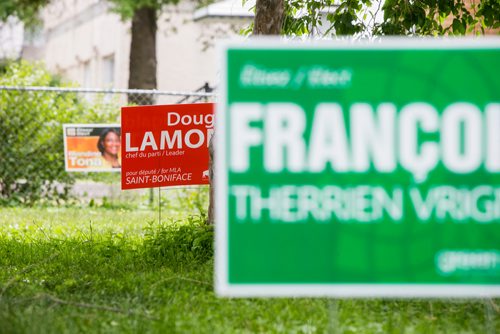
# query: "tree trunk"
142 62
269 16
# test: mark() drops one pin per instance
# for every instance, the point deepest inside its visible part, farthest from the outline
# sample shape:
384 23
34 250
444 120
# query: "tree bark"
269 16
142 62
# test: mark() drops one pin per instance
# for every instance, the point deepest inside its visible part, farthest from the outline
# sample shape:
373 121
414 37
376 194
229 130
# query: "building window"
87 75
108 71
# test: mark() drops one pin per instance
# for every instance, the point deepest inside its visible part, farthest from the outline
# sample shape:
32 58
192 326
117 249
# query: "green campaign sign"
350 169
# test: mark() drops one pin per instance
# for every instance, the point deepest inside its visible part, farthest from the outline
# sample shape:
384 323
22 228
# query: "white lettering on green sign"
383 138
365 204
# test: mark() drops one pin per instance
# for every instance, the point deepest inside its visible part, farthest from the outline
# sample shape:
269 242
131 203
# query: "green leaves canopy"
400 17
126 8
25 10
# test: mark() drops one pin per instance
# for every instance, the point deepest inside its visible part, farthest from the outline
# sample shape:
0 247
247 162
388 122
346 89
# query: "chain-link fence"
32 150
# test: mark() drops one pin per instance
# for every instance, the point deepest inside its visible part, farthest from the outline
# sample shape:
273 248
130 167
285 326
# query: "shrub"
32 151
181 243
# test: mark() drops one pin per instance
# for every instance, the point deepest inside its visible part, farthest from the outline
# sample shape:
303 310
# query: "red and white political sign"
166 145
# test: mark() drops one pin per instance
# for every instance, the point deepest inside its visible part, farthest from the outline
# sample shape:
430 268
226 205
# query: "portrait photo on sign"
92 147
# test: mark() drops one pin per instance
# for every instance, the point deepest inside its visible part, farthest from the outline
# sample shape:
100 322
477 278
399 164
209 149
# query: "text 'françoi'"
417 138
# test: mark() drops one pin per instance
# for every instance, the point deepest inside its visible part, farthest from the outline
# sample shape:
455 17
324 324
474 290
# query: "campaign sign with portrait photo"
92 147
166 145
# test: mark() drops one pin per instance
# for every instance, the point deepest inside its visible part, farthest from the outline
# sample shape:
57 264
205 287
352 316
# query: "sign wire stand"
489 316
333 310
159 205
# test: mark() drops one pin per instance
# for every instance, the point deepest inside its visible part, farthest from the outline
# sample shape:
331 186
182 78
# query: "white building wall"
79 39
11 39
81 36
183 64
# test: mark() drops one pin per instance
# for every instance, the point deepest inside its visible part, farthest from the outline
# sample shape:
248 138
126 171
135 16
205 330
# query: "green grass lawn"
100 270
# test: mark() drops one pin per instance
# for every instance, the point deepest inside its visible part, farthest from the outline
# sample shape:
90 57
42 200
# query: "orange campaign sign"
92 147
166 145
